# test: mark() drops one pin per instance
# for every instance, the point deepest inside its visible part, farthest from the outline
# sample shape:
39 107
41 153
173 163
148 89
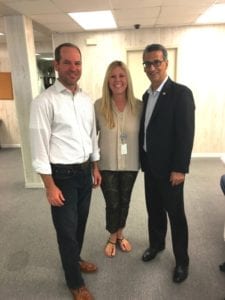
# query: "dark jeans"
163 199
69 220
117 187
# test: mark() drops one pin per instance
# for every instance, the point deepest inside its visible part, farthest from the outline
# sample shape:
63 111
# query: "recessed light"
92 20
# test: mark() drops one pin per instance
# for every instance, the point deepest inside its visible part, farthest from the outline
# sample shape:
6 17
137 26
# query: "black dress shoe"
222 267
180 273
151 253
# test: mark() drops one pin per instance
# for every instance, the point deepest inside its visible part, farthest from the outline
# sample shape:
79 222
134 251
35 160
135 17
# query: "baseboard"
10 146
207 155
194 155
32 185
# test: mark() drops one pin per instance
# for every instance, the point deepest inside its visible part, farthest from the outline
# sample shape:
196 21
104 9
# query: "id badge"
123 149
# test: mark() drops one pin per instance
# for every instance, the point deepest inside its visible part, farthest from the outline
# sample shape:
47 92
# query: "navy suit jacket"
170 132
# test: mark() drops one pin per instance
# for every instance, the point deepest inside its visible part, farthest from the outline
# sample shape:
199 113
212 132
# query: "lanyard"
122 133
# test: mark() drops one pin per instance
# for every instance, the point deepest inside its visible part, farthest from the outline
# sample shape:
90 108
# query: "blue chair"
222 183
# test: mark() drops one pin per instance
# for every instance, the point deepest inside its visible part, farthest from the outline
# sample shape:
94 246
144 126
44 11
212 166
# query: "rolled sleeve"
39 138
95 156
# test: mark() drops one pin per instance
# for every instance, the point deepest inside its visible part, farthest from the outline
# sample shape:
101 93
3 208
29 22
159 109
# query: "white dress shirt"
62 128
152 99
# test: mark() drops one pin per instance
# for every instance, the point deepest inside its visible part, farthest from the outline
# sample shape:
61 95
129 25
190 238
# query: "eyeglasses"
155 63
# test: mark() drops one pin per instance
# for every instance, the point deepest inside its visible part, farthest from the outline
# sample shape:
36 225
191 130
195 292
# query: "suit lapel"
165 92
145 101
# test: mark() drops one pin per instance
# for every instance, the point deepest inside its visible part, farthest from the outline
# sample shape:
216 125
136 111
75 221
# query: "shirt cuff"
95 157
41 168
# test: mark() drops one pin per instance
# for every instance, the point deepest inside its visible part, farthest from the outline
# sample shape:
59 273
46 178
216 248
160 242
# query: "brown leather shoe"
81 294
87 267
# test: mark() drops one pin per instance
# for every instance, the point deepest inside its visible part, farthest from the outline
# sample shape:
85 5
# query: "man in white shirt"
64 152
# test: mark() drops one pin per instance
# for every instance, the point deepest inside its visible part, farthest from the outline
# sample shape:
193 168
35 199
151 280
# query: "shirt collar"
61 88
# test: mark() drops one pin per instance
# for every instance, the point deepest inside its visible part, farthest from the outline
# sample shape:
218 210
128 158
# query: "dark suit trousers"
161 200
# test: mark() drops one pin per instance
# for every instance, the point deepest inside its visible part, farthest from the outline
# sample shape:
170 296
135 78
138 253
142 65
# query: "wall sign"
6 90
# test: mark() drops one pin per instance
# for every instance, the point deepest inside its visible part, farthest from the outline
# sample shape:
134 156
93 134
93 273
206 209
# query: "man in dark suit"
166 140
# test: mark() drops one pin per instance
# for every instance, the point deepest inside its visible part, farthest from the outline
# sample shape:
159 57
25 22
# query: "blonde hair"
106 100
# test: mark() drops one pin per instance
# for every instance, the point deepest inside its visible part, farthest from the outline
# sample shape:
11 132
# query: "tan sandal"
110 248
124 245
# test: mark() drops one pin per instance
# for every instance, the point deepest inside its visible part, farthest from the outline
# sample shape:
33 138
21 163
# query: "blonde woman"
118 115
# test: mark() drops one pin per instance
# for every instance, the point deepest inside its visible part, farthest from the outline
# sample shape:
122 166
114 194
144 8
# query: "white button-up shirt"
62 128
152 99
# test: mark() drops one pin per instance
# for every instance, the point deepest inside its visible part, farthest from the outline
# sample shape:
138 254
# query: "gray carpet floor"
30 267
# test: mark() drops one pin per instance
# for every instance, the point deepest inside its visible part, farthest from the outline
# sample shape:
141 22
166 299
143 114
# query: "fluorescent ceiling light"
94 19
1 33
214 14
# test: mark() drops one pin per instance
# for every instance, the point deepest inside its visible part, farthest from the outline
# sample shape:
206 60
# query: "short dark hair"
156 47
58 49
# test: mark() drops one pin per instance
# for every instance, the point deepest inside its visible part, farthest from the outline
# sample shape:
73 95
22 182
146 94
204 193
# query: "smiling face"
118 81
155 67
69 67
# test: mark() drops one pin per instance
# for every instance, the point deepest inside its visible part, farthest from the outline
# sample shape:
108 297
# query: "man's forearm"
47 180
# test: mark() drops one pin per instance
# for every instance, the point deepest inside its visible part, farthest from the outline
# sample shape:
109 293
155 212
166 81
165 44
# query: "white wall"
9 129
200 65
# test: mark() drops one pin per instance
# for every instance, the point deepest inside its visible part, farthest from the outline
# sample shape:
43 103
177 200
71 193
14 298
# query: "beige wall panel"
9 131
197 67
4 59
